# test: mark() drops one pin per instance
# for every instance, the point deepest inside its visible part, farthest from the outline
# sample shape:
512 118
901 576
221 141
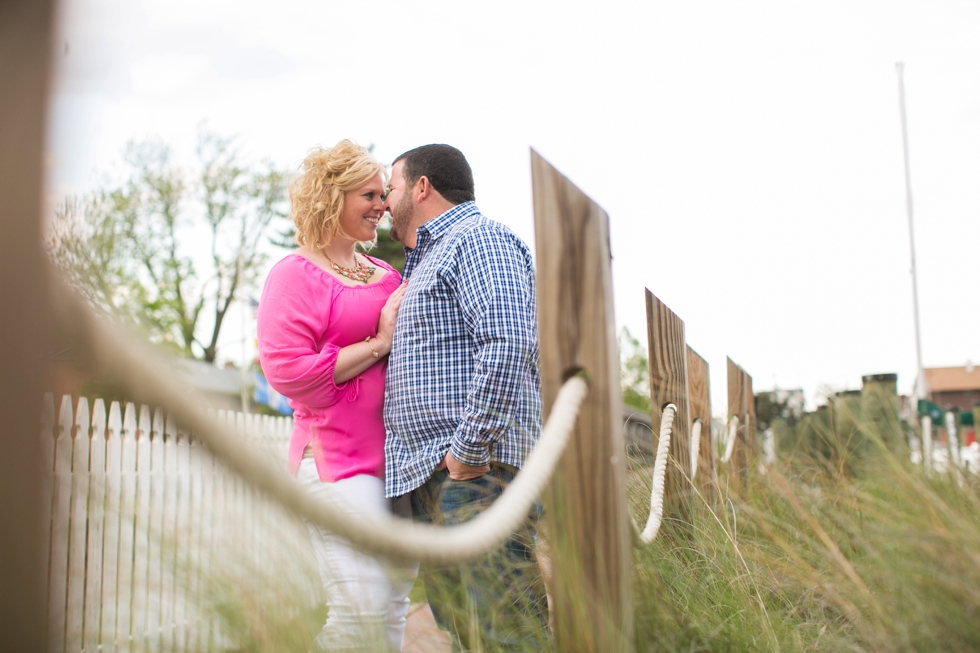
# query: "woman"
325 323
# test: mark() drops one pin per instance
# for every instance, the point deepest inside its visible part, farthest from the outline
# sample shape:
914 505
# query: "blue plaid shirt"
463 373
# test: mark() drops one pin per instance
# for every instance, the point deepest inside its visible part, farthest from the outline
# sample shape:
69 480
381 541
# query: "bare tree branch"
129 249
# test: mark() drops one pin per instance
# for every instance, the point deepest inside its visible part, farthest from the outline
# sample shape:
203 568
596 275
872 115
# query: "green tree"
170 245
634 370
390 251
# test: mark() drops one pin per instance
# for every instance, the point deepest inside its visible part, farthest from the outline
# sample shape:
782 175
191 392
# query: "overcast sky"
749 154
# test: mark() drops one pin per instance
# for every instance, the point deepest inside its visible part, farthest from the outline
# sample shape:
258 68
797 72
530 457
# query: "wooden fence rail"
138 514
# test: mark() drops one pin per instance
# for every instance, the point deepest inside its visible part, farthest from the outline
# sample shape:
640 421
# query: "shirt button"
387 432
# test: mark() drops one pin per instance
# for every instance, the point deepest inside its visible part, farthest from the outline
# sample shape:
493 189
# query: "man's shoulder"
481 231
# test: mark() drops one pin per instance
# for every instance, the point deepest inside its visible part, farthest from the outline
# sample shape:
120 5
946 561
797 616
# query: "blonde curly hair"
316 196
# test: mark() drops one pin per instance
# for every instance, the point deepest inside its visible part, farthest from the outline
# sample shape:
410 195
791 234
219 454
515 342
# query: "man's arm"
495 291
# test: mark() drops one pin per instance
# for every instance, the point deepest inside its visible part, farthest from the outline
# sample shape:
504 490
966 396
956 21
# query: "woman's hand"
386 323
359 356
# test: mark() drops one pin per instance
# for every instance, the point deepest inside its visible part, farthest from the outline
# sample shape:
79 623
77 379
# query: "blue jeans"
496 602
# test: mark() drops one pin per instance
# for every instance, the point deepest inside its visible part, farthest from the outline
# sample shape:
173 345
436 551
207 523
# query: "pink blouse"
305 316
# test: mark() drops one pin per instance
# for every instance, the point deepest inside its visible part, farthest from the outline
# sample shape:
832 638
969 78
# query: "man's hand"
460 471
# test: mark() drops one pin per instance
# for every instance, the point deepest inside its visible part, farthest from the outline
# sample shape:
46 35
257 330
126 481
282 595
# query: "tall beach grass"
845 546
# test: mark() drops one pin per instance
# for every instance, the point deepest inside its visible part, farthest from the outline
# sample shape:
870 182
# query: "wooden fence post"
26 29
699 401
748 398
588 520
668 384
741 403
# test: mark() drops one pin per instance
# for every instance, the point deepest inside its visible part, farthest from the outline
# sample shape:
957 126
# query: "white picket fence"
140 514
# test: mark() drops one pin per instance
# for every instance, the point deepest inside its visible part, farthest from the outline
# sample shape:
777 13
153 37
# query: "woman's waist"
351 442
363 395
340 423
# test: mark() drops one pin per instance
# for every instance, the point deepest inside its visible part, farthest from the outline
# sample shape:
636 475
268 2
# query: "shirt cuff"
474 455
329 355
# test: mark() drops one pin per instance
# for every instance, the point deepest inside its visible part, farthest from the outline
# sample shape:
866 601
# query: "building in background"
266 395
221 387
958 387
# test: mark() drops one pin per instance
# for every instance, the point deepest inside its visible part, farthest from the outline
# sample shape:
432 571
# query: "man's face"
398 203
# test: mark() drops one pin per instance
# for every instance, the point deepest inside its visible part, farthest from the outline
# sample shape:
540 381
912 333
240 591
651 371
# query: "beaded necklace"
359 272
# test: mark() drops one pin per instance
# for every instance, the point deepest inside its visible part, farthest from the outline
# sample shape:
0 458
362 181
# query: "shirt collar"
442 223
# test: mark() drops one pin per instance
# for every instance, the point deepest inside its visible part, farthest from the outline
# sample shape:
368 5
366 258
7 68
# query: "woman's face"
363 208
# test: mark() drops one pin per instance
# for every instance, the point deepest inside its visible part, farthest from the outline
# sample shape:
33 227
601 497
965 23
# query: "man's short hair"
446 169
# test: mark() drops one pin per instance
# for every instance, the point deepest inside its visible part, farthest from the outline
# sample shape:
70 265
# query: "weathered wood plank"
47 448
699 397
182 540
129 484
195 548
211 523
735 394
588 518
27 35
141 559
668 384
734 388
749 403
741 404
96 529
154 583
243 507
110 548
168 563
79 517
60 525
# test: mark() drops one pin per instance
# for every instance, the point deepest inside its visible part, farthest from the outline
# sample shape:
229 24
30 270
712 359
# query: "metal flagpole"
920 383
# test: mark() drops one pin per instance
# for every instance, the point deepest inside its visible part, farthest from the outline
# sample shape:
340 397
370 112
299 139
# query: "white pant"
365 596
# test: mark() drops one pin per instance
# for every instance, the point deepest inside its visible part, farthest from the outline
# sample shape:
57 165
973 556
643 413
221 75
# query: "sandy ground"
422 635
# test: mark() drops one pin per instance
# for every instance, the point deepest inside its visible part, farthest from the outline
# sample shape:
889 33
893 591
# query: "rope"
695 446
120 358
730 444
659 475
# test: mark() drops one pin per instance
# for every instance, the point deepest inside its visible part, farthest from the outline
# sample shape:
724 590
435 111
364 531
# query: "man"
462 397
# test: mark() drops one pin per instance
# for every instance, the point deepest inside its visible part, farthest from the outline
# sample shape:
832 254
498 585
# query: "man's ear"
423 188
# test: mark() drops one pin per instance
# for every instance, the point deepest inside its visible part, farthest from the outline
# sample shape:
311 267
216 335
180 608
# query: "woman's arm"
354 359
291 316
